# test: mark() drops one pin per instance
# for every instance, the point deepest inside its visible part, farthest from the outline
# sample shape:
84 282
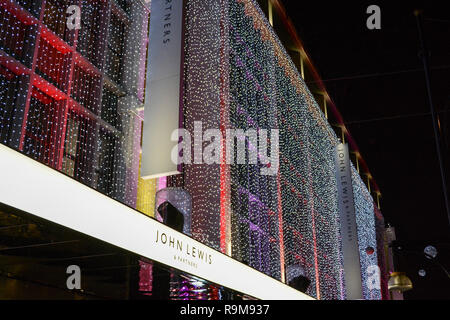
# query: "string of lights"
69 96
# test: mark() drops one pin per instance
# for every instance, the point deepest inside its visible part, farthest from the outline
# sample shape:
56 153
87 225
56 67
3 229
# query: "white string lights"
367 237
265 91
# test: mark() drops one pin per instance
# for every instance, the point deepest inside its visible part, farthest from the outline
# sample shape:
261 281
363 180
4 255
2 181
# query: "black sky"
388 114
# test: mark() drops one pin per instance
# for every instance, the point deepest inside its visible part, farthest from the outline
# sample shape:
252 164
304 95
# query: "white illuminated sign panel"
32 187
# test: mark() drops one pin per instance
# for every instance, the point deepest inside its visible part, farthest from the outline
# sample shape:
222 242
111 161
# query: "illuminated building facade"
74 101
69 97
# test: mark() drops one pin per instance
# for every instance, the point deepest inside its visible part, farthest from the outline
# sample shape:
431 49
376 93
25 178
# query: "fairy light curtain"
367 236
264 95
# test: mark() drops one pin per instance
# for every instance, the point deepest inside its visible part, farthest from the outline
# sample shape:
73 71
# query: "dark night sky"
399 151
